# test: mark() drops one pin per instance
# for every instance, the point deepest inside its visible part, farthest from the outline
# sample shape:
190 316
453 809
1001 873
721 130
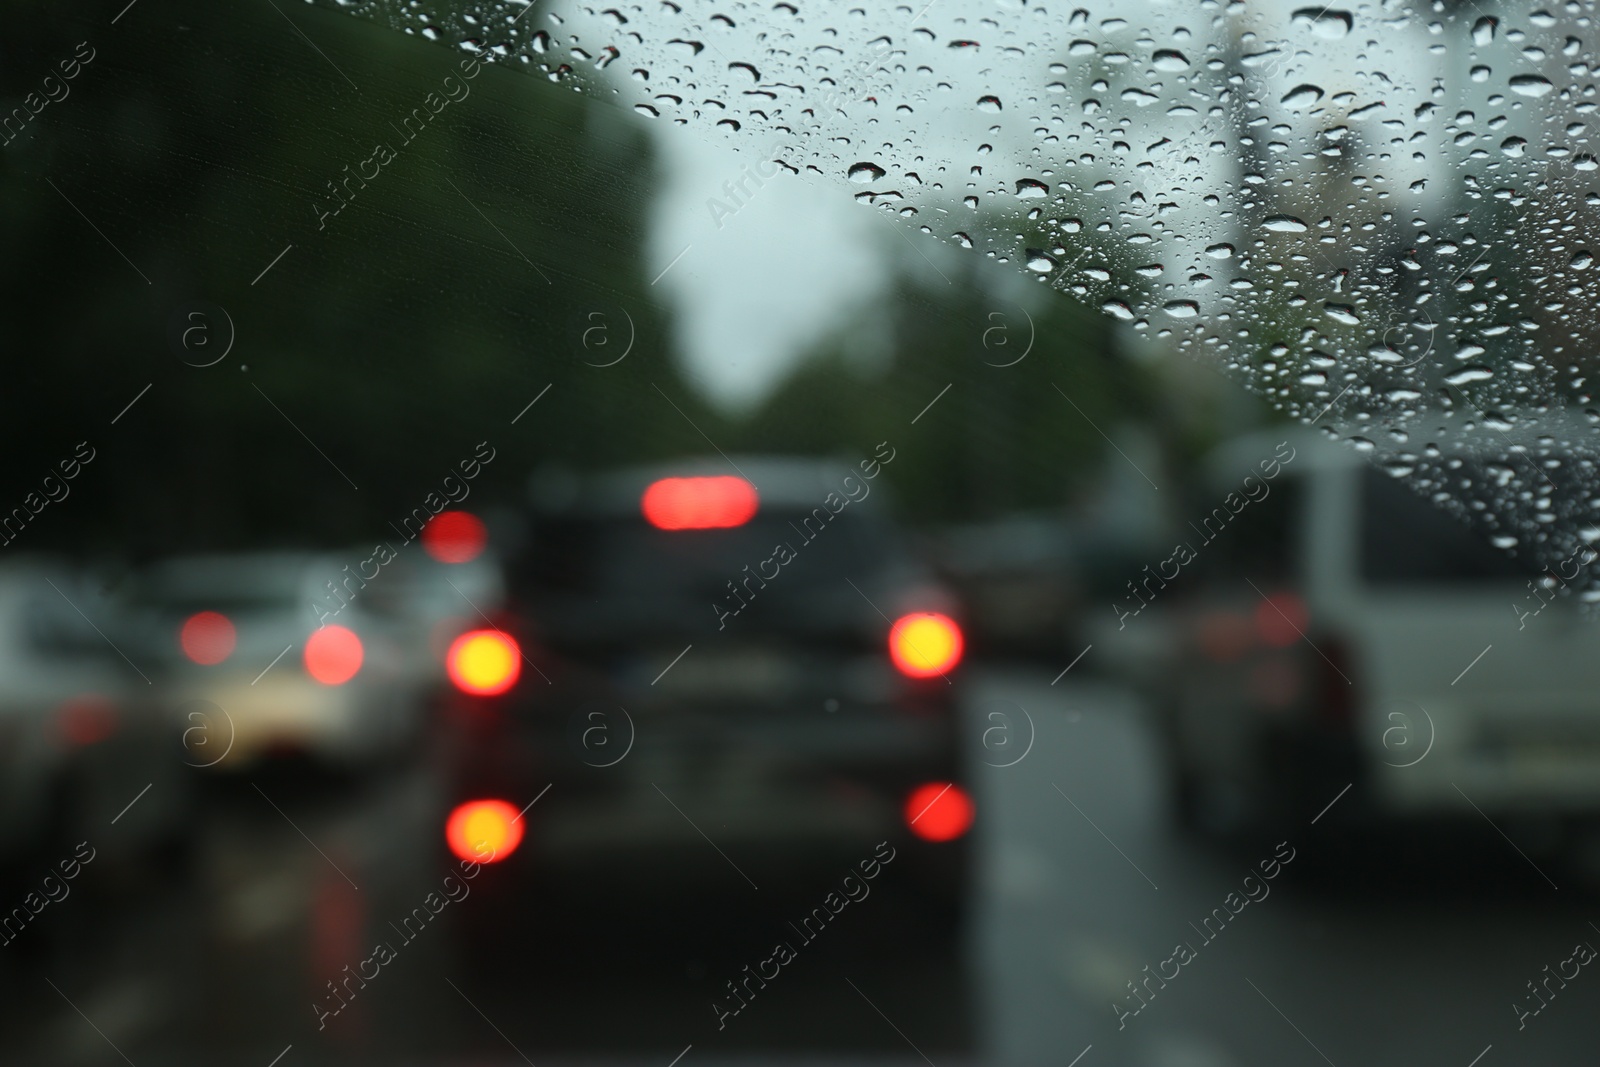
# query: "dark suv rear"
720 673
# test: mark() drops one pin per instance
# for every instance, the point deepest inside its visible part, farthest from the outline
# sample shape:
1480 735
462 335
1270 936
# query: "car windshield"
1221 373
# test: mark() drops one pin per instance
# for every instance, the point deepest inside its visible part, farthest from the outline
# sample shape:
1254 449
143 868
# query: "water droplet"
1220 251
1530 85
1342 313
1324 22
1302 96
1473 372
1483 31
1170 59
1181 309
866 172
1284 224
1029 188
1039 261
1503 541
962 239
1581 260
990 104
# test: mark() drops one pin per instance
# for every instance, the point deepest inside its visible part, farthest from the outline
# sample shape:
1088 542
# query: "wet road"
1403 951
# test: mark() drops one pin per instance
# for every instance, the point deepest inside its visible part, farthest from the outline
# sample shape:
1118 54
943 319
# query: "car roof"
1557 432
1313 450
782 482
251 573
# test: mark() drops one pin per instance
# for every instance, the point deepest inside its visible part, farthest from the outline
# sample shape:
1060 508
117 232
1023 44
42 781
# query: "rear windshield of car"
229 602
628 559
1406 541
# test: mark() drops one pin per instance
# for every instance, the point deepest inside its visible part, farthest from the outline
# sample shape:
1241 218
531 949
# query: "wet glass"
1220 374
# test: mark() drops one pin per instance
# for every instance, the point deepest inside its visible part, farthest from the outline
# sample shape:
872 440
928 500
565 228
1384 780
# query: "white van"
1343 631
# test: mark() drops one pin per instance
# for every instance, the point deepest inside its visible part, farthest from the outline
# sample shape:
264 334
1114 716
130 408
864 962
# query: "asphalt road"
1410 950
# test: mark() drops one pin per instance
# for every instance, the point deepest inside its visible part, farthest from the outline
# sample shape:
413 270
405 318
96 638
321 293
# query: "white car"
1345 632
268 654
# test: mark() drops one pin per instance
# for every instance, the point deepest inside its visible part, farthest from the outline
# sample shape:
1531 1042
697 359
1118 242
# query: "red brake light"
939 811
454 537
85 720
1281 619
207 637
925 644
333 655
484 662
699 503
483 831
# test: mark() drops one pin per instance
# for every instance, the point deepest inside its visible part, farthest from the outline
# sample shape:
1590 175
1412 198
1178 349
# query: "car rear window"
1405 541
628 559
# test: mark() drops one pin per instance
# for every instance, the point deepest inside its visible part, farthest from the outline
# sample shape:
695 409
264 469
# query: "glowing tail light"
333 655
939 811
86 720
207 637
925 644
699 503
1281 619
483 831
454 537
484 662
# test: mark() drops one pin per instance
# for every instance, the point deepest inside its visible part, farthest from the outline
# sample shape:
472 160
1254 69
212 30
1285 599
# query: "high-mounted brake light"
484 662
454 537
938 811
333 655
699 503
925 644
483 831
207 637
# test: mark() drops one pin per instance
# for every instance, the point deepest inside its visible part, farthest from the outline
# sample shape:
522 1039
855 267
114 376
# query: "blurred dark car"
712 675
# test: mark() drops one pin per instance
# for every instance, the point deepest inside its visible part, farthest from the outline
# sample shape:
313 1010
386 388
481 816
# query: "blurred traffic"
731 692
